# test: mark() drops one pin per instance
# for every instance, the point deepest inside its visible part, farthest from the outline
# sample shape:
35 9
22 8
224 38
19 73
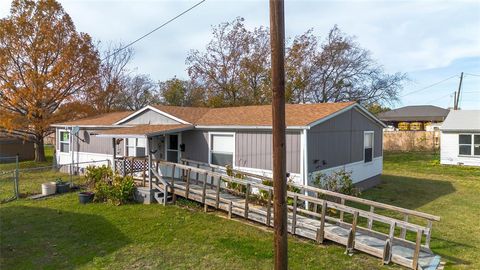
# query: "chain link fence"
21 183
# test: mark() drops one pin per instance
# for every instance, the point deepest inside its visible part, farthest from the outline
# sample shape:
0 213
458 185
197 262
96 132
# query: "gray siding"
339 140
196 145
151 117
93 144
253 149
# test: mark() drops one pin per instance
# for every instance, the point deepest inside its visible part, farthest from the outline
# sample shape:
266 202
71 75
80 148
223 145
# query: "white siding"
360 170
449 151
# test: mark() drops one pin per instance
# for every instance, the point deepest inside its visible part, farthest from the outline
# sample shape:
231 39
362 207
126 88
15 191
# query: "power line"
429 86
439 98
151 32
470 74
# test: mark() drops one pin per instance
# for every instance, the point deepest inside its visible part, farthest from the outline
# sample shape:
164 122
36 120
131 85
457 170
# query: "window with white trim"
368 146
469 144
136 147
64 141
172 148
221 149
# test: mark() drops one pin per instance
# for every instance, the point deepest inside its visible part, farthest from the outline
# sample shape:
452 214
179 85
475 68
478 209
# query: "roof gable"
149 117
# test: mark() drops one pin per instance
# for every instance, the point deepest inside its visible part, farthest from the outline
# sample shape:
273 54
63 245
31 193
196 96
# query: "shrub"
109 187
339 181
290 187
235 186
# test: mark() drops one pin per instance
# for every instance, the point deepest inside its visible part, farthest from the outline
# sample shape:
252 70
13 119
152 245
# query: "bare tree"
112 79
218 69
344 71
139 92
235 69
300 68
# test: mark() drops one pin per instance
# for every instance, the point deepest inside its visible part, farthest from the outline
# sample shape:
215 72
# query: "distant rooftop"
415 113
462 120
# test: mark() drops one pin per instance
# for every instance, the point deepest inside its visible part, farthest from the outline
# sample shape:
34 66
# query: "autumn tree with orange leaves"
45 65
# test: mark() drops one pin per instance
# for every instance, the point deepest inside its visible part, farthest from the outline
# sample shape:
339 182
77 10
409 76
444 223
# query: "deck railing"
325 206
339 202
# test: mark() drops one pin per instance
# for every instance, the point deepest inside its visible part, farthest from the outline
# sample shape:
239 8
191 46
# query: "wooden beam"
269 207
403 232
429 234
187 187
416 253
204 188
294 214
370 220
197 174
217 199
351 235
247 194
342 202
321 230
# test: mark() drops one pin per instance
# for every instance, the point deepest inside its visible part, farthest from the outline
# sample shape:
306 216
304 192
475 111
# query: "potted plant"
85 197
62 187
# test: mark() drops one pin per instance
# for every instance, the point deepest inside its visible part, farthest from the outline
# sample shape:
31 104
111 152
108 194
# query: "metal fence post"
17 195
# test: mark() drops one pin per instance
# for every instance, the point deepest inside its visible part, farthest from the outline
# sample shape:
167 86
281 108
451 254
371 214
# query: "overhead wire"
154 30
429 86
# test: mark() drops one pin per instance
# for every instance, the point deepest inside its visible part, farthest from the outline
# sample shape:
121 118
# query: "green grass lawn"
60 233
417 181
30 180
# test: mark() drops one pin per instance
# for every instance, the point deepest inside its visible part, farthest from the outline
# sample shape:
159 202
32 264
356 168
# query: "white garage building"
460 138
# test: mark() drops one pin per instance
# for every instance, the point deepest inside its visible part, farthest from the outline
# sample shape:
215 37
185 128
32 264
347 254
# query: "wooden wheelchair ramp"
313 213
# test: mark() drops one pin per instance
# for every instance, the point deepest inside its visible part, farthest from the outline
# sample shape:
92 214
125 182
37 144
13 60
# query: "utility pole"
458 92
455 100
277 44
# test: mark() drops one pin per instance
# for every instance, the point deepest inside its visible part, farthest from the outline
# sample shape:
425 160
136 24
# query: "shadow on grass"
34 237
408 192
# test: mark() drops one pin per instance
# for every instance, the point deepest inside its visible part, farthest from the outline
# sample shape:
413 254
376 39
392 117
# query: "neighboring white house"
460 139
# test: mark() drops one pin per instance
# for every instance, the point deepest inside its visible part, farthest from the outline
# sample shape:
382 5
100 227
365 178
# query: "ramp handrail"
330 193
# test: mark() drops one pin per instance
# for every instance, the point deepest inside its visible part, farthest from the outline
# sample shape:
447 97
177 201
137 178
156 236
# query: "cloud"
406 36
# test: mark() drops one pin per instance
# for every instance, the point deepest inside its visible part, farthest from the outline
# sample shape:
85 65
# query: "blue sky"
428 40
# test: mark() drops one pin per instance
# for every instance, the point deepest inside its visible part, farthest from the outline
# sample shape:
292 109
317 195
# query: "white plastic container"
49 189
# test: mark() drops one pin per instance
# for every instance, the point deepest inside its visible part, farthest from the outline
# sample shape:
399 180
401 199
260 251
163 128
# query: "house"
319 138
10 147
419 117
460 143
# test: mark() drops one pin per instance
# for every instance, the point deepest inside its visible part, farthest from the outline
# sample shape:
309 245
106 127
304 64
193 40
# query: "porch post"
114 165
149 163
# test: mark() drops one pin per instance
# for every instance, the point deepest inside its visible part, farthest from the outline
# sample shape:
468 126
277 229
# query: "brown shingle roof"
261 115
105 119
142 129
189 114
295 114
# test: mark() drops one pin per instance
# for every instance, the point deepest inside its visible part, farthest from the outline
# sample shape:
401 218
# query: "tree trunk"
39 150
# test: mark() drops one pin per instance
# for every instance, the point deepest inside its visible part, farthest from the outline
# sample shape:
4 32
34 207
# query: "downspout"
305 157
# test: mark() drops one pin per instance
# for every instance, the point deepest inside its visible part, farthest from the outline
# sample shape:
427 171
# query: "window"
172 148
221 149
368 146
64 141
465 145
135 147
469 144
476 145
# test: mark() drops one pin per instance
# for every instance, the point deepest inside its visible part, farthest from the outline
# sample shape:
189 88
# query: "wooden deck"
213 188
